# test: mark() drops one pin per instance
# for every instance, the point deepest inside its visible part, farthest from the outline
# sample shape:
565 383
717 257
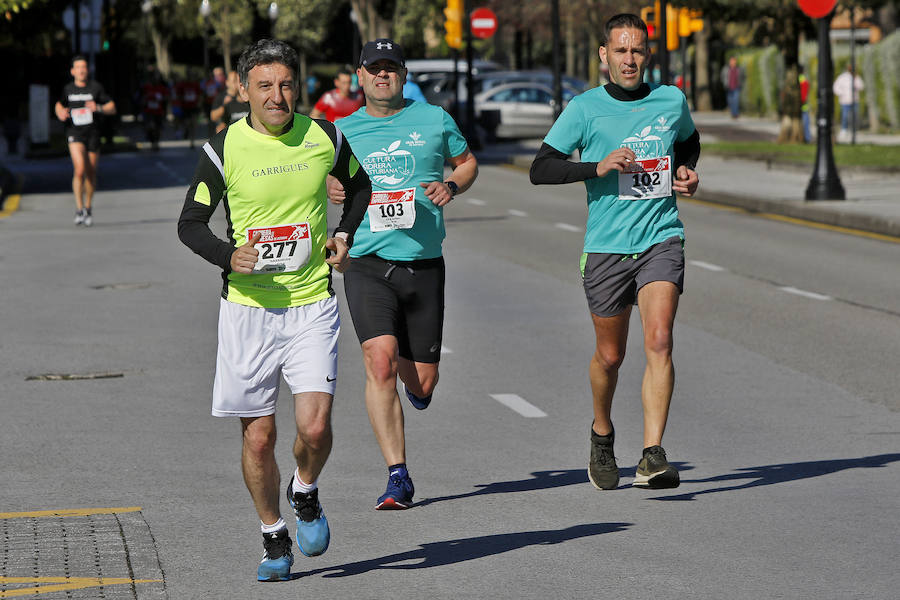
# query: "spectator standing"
847 87
733 81
188 94
804 104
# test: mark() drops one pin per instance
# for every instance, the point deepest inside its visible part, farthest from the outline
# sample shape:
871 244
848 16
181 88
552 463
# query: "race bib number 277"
282 248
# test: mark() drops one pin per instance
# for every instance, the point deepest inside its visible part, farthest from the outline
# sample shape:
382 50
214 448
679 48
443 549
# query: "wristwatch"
454 189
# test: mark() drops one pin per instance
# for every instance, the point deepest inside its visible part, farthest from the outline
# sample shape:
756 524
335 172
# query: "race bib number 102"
282 248
647 178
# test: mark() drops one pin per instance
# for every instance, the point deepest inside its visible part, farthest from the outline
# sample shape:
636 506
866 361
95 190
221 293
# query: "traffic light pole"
661 43
471 136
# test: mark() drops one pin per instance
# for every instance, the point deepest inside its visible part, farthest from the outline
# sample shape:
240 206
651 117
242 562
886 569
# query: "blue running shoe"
399 493
420 403
277 557
313 533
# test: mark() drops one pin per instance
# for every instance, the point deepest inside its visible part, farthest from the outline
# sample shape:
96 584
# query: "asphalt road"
785 421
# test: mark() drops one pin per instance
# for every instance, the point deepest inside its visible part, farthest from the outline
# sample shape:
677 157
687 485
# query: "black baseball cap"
382 48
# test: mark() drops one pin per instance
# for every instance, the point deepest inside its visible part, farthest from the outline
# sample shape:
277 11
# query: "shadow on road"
773 474
452 552
540 480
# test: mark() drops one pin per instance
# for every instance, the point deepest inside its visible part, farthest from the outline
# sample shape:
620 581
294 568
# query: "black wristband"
454 188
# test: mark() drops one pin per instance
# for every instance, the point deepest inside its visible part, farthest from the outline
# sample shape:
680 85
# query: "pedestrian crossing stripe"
69 512
61 584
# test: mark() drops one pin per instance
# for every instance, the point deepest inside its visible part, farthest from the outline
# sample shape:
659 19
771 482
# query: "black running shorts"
404 299
89 136
612 281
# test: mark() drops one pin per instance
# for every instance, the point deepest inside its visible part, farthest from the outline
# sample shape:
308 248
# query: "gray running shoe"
654 471
88 218
602 470
79 217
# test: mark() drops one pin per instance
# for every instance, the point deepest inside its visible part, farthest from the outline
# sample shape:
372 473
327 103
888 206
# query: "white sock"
303 488
279 524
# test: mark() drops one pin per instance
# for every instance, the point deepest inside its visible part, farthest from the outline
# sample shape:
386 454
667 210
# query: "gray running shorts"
612 281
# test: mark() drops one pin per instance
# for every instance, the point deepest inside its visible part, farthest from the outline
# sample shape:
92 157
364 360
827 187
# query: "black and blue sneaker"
399 493
313 533
420 403
277 557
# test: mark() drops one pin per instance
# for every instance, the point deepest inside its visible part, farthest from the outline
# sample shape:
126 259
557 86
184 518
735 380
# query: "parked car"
518 110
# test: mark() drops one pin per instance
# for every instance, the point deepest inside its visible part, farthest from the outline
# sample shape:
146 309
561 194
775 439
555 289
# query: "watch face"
454 189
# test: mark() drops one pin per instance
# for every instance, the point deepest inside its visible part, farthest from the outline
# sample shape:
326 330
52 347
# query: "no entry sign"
816 8
484 23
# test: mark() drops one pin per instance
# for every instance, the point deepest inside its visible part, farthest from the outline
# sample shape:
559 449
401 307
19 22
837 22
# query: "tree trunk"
161 51
790 106
371 24
304 90
702 90
226 37
570 44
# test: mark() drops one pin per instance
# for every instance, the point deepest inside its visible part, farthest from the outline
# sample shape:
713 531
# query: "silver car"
518 110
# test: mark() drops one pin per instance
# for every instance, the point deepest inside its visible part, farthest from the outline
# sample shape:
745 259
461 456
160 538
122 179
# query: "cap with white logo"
381 49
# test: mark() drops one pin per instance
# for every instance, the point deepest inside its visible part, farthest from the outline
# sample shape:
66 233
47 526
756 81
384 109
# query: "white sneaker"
79 217
88 219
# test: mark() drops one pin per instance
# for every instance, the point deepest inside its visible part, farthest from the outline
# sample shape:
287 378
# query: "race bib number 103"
394 209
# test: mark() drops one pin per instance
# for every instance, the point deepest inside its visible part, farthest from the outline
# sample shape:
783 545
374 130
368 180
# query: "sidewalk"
873 198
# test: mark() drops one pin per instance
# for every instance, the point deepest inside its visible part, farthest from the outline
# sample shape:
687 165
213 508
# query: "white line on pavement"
167 170
804 293
475 202
706 265
518 213
567 227
519 404
446 350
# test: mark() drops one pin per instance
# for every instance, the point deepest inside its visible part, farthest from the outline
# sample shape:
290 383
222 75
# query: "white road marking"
167 170
446 350
804 293
706 265
567 227
518 213
520 405
475 202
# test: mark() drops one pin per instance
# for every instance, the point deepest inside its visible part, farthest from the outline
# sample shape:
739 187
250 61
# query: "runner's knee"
381 366
259 441
315 433
658 341
609 357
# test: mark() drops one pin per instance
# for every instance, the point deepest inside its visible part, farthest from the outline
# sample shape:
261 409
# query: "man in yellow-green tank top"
278 315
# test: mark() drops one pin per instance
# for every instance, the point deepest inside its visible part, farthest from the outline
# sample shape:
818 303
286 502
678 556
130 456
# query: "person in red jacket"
188 95
339 102
154 98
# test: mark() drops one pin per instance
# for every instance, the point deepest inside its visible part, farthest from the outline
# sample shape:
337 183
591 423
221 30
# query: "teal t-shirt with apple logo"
631 211
400 152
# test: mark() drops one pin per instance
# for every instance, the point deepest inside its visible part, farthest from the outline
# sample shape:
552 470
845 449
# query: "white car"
518 110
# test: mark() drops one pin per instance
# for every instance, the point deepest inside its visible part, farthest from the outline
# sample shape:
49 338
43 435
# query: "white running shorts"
259 345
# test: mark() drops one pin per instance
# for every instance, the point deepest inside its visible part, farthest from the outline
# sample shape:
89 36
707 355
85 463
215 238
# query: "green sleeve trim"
201 194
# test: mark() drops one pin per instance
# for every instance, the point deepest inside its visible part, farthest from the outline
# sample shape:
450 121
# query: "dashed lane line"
518 213
476 202
706 265
567 227
519 405
804 293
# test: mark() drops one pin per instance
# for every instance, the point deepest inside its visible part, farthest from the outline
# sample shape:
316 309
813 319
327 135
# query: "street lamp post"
204 12
273 16
825 183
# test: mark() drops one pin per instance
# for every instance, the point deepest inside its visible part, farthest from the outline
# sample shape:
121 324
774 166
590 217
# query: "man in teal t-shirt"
395 282
638 147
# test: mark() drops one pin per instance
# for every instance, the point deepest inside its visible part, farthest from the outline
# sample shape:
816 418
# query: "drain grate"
121 286
72 376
